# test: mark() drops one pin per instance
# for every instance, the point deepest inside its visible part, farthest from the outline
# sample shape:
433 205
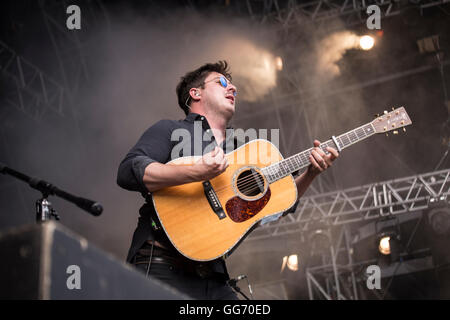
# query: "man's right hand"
211 165
158 175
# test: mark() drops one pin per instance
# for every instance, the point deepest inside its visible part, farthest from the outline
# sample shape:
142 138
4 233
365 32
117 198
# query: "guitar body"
191 223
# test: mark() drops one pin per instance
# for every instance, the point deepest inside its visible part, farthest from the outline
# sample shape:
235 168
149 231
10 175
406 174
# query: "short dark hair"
196 79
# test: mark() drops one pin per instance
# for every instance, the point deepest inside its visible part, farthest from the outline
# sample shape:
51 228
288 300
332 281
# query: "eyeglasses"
223 81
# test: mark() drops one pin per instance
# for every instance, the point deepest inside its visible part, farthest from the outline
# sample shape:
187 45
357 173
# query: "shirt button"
202 118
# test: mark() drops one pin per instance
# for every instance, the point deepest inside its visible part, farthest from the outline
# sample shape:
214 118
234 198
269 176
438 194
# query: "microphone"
45 187
90 206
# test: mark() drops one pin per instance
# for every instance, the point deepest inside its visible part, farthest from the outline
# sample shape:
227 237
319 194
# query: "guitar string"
249 179
254 187
248 184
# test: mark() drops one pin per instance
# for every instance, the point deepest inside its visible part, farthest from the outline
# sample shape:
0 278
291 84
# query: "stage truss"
293 13
337 276
362 203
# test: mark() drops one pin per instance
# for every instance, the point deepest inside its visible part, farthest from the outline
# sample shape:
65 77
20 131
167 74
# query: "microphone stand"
233 283
44 209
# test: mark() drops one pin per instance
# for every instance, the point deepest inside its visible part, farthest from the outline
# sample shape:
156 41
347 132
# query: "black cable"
150 260
238 290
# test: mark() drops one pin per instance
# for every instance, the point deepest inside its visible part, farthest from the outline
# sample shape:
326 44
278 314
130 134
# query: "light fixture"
366 42
320 240
388 237
439 215
291 262
385 247
429 44
279 63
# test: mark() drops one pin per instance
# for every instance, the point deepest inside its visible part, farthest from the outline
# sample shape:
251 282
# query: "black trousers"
183 277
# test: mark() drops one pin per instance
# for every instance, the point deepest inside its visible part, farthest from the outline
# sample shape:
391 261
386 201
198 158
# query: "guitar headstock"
392 121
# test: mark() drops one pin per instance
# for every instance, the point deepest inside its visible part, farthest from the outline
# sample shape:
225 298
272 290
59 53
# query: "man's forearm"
158 175
303 181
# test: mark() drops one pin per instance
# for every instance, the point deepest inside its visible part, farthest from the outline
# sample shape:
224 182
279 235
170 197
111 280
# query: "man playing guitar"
208 97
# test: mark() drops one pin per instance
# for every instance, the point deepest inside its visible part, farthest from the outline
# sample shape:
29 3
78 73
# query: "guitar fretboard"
301 160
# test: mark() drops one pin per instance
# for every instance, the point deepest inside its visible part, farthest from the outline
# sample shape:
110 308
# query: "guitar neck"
300 160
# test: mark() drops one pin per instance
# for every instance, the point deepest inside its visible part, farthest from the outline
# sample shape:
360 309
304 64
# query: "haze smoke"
332 49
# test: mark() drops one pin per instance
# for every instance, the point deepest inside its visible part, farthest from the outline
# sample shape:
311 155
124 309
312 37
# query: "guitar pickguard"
240 210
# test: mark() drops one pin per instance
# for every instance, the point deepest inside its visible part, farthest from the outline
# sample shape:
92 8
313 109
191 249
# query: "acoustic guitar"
207 220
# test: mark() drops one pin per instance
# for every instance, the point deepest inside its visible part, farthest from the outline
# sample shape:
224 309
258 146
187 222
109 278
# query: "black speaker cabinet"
48 261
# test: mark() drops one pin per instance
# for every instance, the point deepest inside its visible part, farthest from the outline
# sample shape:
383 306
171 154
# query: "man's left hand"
319 160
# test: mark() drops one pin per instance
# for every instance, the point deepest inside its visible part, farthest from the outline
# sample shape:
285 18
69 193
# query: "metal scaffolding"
32 91
69 45
334 269
292 13
362 203
340 277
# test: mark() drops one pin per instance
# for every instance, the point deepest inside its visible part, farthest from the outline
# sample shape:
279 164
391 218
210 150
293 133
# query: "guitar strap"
154 221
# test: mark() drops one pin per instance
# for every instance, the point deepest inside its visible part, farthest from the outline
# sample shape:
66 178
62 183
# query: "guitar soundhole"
250 183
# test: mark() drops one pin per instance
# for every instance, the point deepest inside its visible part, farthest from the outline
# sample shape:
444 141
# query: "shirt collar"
191 117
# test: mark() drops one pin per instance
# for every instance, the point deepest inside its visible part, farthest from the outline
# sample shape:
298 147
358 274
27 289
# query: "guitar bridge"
214 202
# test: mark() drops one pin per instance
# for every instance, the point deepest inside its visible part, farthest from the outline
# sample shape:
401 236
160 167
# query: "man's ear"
195 94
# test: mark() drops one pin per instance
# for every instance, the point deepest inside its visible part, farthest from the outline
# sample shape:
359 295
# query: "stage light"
385 247
439 215
429 44
291 262
279 63
439 219
320 240
388 237
366 42
389 244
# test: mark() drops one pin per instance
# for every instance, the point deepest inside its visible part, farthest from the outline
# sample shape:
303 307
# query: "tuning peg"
387 135
404 129
395 132
393 109
385 112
